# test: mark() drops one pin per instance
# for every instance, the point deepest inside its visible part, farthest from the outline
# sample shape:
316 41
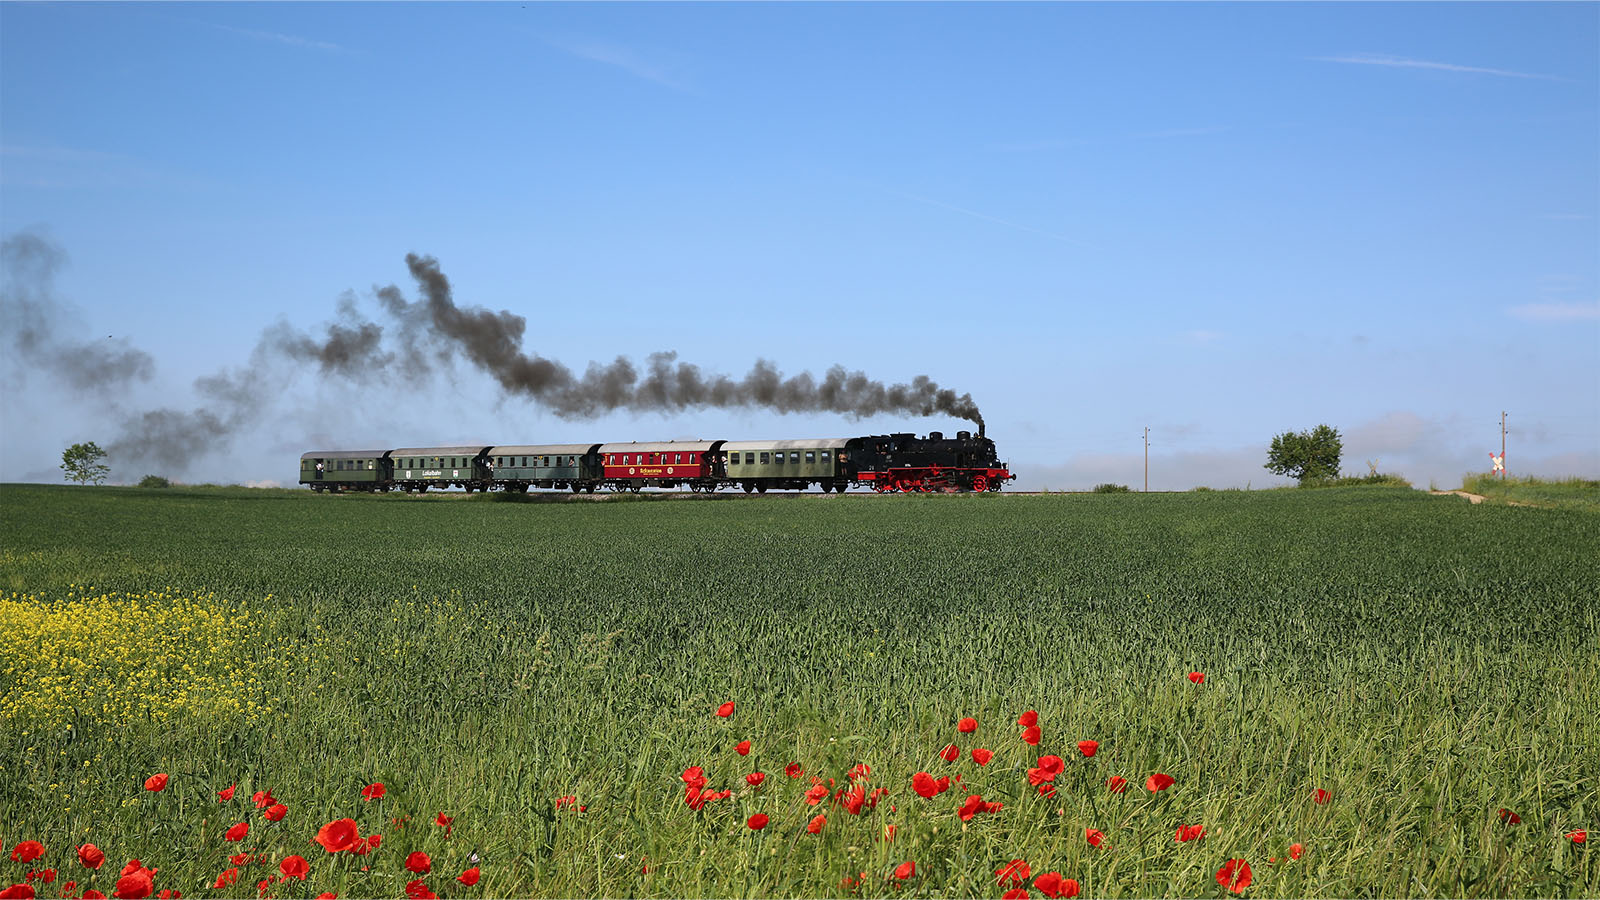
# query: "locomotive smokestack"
980 428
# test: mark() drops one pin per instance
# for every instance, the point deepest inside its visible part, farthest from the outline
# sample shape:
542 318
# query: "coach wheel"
748 487
761 488
980 482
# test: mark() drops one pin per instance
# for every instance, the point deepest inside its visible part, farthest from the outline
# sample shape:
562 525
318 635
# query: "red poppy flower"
982 756
1051 884
967 725
1187 833
1295 850
1234 875
156 782
276 812
327 895
1015 894
92 894
27 851
754 779
226 793
373 840
1013 873
443 821
815 825
1088 748
1510 817
742 748
1095 836
228 876
816 794
135 885
1030 735
340 834
694 776
757 821
793 770
888 833
18 891
1047 790
975 805
295 867
944 782
262 799
950 753
1158 782
1577 837
907 869
1028 719
240 859
726 709
416 890
373 791
1320 796
924 785
419 862
91 856
1197 677
69 888
263 885
237 832
1117 784
859 772
469 877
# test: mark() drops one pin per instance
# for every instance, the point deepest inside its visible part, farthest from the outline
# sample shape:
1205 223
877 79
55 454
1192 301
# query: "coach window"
824 456
811 456
765 458
733 459
794 457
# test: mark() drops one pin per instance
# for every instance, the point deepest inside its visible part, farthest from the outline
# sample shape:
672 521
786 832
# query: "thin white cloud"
292 40
1401 62
621 57
998 221
1556 312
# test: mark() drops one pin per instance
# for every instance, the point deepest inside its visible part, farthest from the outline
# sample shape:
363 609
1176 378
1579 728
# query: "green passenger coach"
345 470
794 465
419 468
518 467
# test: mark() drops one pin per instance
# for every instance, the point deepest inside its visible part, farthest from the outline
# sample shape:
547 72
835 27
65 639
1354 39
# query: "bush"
154 481
1378 478
1109 488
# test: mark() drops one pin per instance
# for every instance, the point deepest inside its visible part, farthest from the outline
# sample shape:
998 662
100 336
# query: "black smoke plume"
34 318
492 341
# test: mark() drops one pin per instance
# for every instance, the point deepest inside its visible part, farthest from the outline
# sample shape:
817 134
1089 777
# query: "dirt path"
1474 499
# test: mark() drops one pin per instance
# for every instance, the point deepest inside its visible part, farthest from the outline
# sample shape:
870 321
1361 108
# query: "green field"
1426 662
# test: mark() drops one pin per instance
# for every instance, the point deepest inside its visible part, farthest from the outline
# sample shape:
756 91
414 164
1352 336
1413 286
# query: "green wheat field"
533 683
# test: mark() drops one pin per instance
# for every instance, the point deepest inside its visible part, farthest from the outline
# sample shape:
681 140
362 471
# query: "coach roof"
660 447
344 454
438 451
818 444
541 449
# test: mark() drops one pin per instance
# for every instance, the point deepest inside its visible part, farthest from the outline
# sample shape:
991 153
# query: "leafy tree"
1306 455
84 463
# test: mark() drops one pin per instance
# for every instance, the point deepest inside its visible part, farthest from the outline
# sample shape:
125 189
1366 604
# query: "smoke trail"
422 336
492 342
32 316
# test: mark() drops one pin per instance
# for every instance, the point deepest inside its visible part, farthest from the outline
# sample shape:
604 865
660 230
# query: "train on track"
885 463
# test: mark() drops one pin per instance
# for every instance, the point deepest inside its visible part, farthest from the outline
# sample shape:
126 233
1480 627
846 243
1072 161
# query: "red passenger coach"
668 464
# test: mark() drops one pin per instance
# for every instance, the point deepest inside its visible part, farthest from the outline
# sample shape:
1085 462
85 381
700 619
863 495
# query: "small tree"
1306 455
84 463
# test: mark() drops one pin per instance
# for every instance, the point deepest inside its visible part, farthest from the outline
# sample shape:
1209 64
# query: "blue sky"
1217 221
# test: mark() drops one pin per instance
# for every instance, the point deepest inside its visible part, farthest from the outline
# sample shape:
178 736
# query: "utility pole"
1147 459
1502 445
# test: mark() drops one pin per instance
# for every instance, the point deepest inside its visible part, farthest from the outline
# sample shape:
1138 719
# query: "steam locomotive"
886 463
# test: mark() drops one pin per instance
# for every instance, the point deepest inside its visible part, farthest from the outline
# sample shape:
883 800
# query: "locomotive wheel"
980 482
576 487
